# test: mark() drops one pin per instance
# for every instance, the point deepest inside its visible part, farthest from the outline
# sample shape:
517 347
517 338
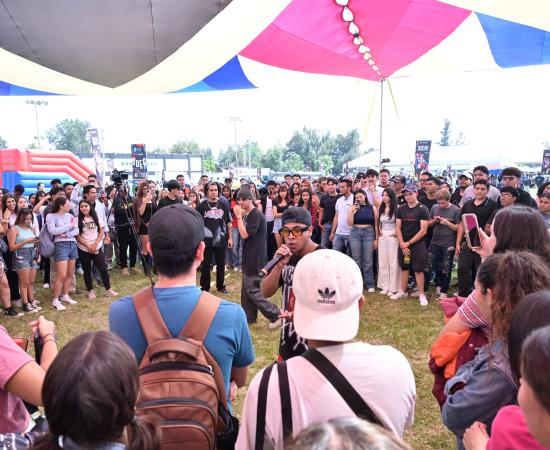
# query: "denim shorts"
24 258
65 250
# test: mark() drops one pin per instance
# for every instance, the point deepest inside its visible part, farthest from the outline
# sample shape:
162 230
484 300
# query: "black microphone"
269 266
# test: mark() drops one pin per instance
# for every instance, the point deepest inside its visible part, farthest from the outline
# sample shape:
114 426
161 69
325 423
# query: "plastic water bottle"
407 259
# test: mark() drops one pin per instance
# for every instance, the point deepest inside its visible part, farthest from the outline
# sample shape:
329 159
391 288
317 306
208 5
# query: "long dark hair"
279 200
5 201
21 214
89 393
58 203
393 204
93 215
511 276
291 190
532 312
302 203
520 228
535 357
361 191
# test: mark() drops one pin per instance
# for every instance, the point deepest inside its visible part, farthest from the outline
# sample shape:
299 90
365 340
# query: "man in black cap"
253 231
296 231
177 257
398 183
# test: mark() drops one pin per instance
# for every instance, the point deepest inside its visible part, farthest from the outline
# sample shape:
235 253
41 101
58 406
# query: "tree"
344 149
70 134
3 143
293 162
445 140
325 163
190 147
273 158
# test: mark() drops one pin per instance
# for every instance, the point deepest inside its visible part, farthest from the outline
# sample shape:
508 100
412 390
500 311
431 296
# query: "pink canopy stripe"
310 35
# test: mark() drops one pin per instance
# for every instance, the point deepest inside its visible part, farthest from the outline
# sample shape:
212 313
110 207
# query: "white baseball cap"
327 285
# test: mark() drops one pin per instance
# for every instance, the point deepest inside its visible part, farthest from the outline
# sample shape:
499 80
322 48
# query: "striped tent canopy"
62 47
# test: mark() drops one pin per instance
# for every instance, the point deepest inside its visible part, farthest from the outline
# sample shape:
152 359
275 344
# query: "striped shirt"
472 316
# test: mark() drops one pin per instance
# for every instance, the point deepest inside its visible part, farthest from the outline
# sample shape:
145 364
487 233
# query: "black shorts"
419 255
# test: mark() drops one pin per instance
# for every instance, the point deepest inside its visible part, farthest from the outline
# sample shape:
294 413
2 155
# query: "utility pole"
236 119
37 103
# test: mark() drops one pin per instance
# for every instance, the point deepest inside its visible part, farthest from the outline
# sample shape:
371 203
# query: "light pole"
236 119
37 103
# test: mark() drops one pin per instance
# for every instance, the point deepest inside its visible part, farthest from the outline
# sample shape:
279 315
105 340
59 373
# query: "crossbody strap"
261 408
286 403
342 386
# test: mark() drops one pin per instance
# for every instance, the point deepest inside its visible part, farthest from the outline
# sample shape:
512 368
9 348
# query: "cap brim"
336 326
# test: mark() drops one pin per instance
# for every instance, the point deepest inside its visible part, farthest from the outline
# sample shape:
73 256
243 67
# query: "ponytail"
144 433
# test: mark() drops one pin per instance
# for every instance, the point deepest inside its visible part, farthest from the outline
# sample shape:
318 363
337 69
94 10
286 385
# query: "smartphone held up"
471 227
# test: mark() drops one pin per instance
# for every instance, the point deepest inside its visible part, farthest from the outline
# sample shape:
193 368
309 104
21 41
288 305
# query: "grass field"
402 324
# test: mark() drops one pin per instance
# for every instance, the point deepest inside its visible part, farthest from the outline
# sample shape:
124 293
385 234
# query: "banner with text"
97 155
421 157
546 161
139 162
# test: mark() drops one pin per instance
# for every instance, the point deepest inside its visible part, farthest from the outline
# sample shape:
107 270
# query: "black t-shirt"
254 247
216 217
328 203
167 201
456 197
483 211
428 203
290 344
122 209
401 200
410 219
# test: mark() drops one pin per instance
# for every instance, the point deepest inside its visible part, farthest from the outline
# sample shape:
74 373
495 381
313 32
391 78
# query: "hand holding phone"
471 227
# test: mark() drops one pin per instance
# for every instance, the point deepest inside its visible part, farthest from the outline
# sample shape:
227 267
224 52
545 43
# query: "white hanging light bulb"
347 15
342 2
353 28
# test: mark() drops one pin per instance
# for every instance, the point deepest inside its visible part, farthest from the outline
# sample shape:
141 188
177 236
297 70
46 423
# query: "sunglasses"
296 232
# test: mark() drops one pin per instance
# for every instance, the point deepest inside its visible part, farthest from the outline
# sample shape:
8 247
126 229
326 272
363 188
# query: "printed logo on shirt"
216 214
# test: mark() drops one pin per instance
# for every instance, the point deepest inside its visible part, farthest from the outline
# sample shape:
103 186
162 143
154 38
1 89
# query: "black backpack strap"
286 404
261 408
342 386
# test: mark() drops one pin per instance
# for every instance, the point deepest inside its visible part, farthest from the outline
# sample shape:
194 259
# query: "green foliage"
293 161
190 147
209 165
3 143
70 134
273 158
325 163
445 134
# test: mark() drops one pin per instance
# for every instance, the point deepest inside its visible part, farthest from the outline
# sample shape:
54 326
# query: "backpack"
179 381
46 246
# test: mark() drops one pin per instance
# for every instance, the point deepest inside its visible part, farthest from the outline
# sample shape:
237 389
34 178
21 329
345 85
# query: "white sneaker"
371 290
58 305
34 304
437 290
91 295
112 293
442 296
80 271
46 286
67 299
423 300
415 293
399 295
235 269
384 292
390 294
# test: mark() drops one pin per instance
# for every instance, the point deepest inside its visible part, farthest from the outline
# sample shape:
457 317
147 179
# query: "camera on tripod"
118 177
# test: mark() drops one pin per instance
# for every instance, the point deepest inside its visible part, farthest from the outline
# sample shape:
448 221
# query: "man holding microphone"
296 231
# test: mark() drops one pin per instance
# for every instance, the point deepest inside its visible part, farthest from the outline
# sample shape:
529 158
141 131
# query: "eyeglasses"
296 232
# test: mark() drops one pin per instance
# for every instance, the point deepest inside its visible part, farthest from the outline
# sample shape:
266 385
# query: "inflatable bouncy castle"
30 167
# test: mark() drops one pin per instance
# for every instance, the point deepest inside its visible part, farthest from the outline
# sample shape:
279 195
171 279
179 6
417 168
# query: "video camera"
118 177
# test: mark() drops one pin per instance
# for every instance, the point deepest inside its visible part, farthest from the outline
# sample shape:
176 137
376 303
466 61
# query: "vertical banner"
97 155
545 168
139 162
421 157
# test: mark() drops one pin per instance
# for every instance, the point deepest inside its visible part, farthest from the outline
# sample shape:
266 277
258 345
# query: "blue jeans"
65 251
360 241
237 250
340 243
325 241
442 263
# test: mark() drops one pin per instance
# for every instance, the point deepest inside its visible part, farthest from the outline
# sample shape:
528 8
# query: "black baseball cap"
399 179
176 229
297 215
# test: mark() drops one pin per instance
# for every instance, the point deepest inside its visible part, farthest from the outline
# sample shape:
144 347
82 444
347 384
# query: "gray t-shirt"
443 236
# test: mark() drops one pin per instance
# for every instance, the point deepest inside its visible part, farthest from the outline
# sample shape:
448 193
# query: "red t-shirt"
510 432
13 415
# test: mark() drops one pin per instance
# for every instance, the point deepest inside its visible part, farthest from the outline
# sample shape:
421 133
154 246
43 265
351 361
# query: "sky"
502 113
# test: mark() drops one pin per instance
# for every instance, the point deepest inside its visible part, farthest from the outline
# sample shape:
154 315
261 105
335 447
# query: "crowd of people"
330 242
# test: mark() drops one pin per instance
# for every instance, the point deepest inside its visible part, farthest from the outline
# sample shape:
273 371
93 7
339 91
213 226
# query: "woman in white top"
388 245
63 226
90 248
